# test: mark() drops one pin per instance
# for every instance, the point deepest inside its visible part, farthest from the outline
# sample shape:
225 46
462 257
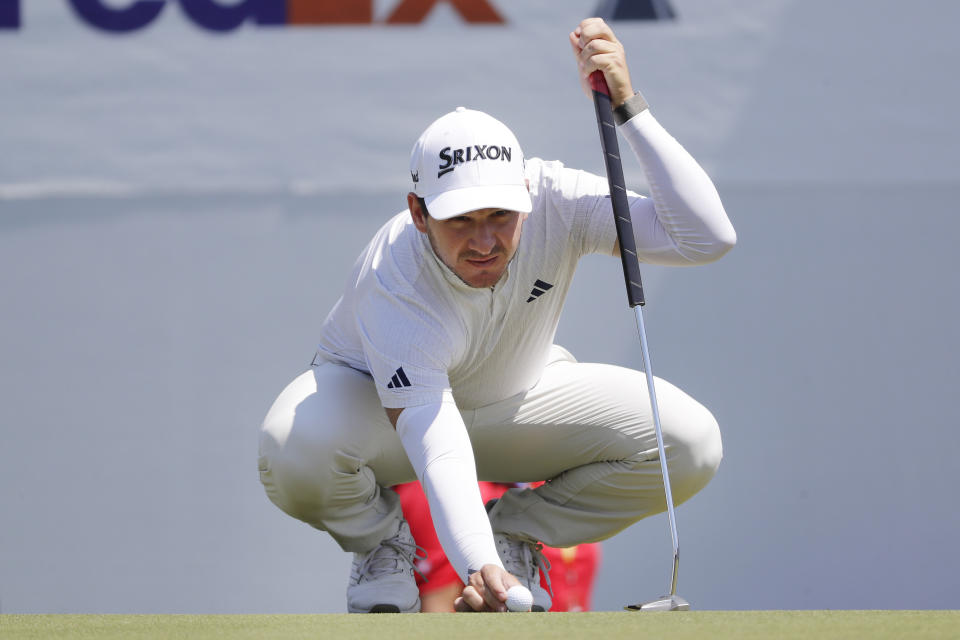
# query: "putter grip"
618 190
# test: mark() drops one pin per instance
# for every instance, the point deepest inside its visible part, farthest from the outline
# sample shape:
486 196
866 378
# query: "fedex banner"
217 16
314 96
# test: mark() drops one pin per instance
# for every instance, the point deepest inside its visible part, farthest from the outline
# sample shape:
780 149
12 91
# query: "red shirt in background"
572 570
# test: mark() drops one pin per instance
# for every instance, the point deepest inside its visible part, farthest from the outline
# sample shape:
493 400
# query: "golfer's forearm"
688 208
437 443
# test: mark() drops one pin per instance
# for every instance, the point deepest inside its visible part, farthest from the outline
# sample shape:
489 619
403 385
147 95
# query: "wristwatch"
633 106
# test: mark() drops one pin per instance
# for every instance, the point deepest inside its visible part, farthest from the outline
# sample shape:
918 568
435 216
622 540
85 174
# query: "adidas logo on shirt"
399 380
539 288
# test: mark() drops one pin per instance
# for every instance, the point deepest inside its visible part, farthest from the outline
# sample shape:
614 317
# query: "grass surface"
602 626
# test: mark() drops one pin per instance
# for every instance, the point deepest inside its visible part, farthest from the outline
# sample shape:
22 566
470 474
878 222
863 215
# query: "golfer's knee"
301 470
693 458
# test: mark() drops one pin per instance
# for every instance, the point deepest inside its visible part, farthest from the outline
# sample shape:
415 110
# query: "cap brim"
457 202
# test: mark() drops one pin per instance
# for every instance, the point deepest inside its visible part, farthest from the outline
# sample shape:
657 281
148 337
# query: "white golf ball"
519 598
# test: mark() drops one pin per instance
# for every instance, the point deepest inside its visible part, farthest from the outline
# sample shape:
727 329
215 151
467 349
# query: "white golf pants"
328 453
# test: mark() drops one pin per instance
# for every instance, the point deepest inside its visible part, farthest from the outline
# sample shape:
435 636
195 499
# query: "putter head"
664 603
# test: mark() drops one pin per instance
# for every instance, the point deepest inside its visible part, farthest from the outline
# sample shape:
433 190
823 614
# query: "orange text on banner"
329 12
414 11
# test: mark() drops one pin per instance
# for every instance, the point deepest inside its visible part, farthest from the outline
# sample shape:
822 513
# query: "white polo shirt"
406 319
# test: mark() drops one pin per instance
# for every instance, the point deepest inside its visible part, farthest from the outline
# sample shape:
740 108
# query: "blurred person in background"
571 570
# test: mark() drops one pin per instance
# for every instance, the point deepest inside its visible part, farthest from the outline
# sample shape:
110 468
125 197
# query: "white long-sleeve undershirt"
438 445
688 225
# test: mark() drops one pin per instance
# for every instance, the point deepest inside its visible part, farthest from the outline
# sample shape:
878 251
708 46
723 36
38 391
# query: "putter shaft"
638 311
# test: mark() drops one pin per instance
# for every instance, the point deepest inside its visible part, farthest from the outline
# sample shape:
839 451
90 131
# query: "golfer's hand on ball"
486 590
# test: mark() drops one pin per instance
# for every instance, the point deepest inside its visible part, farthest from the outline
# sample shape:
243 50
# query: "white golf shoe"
524 560
383 580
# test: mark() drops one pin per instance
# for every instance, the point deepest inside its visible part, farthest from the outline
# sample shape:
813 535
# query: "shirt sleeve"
407 350
682 223
574 198
438 446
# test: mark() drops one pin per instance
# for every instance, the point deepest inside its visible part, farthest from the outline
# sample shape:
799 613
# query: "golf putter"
631 274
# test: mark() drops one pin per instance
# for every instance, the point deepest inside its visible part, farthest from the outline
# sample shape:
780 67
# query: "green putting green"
600 625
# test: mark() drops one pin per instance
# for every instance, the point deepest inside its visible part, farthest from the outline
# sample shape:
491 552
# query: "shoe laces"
393 555
528 558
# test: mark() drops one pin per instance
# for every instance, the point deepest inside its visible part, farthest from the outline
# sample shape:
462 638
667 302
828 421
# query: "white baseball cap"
468 160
